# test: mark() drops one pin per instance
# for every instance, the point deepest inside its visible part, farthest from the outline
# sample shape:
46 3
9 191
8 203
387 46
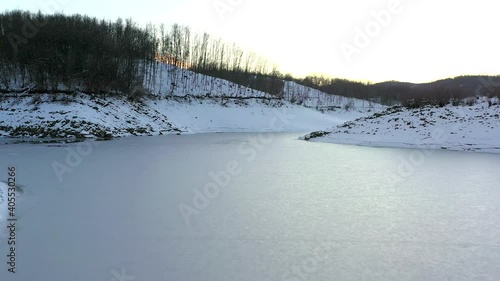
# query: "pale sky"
412 40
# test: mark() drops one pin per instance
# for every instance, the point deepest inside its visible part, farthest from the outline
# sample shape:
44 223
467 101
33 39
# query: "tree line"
211 56
71 53
61 53
442 92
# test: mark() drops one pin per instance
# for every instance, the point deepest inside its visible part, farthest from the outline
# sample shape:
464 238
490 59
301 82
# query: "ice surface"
296 211
3 210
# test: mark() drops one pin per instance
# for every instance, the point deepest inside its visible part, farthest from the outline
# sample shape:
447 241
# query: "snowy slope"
173 81
252 115
343 108
466 128
179 101
49 116
103 118
317 99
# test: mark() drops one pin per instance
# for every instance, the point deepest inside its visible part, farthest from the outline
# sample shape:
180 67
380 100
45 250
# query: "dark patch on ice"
19 188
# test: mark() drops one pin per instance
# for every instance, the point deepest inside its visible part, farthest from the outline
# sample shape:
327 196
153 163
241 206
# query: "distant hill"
445 89
469 84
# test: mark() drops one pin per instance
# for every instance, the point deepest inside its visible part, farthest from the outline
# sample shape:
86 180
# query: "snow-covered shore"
84 116
460 128
178 101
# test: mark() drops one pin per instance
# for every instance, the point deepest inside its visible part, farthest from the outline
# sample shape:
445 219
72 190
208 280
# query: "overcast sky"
370 40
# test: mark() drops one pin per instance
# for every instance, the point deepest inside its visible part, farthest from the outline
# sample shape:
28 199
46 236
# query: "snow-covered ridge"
463 128
317 99
173 81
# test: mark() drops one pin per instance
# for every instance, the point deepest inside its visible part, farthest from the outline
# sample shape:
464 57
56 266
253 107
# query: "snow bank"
463 128
250 116
53 116
317 99
115 117
173 81
181 101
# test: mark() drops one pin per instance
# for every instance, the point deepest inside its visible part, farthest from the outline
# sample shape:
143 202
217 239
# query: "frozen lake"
233 207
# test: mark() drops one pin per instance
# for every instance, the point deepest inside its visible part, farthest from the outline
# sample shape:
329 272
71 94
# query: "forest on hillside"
60 53
75 53
440 92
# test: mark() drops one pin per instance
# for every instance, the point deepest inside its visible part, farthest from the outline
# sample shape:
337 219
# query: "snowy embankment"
180 101
316 99
60 116
84 116
342 108
253 115
462 128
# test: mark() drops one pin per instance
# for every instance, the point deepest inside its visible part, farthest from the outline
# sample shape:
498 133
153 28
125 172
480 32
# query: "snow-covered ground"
243 116
318 99
467 128
43 115
173 81
85 116
181 101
